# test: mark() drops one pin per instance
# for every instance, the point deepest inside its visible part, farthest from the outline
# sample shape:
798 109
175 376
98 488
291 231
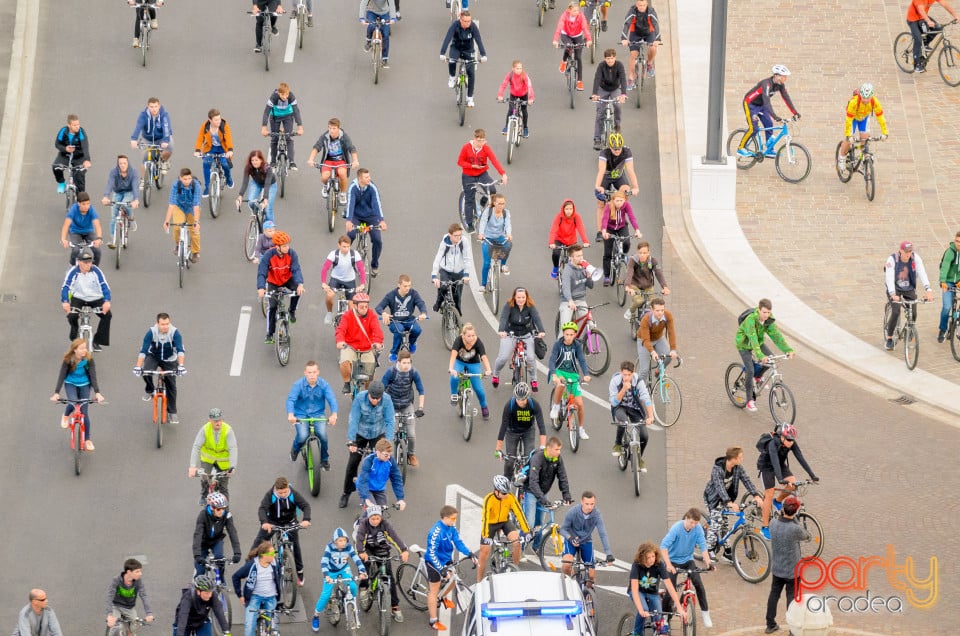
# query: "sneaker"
888 345
393 357
294 455
146 397
485 412
342 198
526 133
141 184
164 167
751 406
553 273
293 317
97 347
136 43
194 258
112 245
778 504
583 433
257 49
504 131
364 597
765 531
495 381
275 30
650 70
726 557
597 145
534 386
310 20
563 66
299 579
771 629
631 84
344 498
413 461
64 421
325 466
940 336
268 340
554 411
643 466
61 188
154 24
88 446
206 194
366 46
413 347
603 25
705 618
385 63
770 153
451 81
626 314
293 167
919 68
606 281
374 271
325 192
438 626
173 418
470 103
133 225
743 152
842 162
328 319
579 85
470 228
315 623
454 399
346 388
617 450
447 603
395 612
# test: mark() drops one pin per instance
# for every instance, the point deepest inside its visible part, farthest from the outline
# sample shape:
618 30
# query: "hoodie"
950 265
723 486
374 474
153 129
451 258
751 333
276 511
336 561
564 230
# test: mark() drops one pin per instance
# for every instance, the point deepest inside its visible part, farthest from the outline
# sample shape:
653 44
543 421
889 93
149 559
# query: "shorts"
349 355
585 550
332 164
769 478
860 125
433 575
506 527
619 181
349 285
635 43
572 380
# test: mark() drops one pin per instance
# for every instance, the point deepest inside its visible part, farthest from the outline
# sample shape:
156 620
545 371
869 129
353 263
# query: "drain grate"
8 298
903 400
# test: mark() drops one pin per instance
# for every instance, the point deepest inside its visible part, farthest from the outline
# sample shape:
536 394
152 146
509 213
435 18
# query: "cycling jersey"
614 164
760 95
859 109
497 510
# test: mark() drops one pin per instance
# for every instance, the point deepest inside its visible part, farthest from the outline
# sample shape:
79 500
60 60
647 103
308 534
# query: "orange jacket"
205 141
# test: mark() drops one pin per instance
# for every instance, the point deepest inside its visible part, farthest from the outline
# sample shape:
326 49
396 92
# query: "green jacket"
751 333
950 265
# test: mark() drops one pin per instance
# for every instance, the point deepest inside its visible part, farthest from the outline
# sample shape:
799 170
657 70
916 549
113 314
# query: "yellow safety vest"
213 452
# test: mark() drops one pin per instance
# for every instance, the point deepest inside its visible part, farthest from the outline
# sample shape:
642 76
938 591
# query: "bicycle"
548 542
413 582
341 304
84 326
518 361
636 315
214 568
460 84
640 71
814 547
69 170
214 481
267 36
300 14
379 590
594 8
146 26
77 424
310 452
481 200
267 622
343 603
401 443
657 623
281 163
609 119
450 321
520 467
361 374
783 407
629 454
568 415
542 6
515 128
153 175
664 391
742 544
792 160
283 545
281 338
258 208
953 330
581 574
365 249
126 626
376 47
183 248
121 229
159 399
497 253
859 159
218 180
570 72
618 267
595 347
501 554
905 330
948 62
688 599
465 410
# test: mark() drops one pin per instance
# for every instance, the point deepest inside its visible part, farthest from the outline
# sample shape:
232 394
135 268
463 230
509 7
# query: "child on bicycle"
751 333
646 573
676 548
78 375
261 584
859 108
521 87
573 31
123 592
376 536
214 523
640 25
567 363
336 565
616 213
282 108
757 106
441 541
264 241
567 224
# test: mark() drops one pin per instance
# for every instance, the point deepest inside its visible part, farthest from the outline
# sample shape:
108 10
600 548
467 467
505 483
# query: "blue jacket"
369 421
399 385
679 542
249 572
185 198
71 278
576 524
364 204
118 184
153 129
308 401
404 309
441 540
373 476
564 357
162 348
336 561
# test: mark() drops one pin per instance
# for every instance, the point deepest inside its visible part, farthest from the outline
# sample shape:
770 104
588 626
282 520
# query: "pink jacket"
572 27
519 85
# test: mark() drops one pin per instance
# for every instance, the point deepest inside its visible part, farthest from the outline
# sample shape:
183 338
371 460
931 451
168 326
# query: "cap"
269 224
374 510
906 246
375 390
86 254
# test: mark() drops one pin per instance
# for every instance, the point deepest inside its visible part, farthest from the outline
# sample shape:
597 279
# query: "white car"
528 603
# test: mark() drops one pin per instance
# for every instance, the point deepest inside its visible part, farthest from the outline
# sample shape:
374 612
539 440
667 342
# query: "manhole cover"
8 298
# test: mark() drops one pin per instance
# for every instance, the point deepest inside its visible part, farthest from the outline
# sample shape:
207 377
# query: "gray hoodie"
574 282
451 258
380 7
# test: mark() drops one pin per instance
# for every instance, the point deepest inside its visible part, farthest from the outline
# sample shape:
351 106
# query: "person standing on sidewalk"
949 276
785 537
900 273
753 330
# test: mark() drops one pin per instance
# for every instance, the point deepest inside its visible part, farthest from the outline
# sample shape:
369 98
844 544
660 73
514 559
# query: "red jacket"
520 85
572 27
468 157
564 230
349 330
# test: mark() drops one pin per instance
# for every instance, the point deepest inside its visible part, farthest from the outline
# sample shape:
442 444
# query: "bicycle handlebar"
160 372
86 310
310 420
79 401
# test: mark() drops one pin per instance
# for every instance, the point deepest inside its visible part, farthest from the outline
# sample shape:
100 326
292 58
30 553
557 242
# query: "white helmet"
866 90
780 69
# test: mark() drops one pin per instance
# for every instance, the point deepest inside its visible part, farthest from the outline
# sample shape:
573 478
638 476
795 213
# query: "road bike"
153 173
159 399
267 622
84 323
214 481
481 199
183 248
783 407
281 339
515 129
343 604
859 159
121 229
948 61
413 584
267 35
595 347
258 212
375 46
126 626
300 15
792 159
497 254
629 454
618 267
640 71
218 180
216 569
380 579
742 544
283 546
953 326
365 249
634 316
281 163
547 541
310 452
463 400
331 193
664 391
906 329
568 415
461 84
570 71
69 178
401 442
450 321
77 423
146 26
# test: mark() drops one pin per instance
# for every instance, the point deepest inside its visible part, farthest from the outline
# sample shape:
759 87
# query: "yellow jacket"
858 108
498 511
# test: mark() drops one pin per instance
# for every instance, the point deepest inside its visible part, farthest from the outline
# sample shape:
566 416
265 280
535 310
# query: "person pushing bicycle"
751 333
757 106
859 108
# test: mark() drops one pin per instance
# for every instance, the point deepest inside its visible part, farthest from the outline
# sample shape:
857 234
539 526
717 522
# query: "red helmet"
281 238
361 298
789 431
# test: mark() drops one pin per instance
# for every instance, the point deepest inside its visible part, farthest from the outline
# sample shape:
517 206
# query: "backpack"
764 441
354 257
744 315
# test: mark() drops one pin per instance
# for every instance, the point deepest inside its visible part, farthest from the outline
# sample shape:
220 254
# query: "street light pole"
718 41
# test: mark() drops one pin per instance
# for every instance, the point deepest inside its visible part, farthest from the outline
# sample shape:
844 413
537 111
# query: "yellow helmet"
615 141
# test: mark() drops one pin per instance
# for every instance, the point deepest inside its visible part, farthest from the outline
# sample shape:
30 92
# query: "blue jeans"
74 392
375 238
384 32
947 305
205 630
208 161
303 432
502 244
251 612
397 328
474 367
531 511
651 603
253 193
217 549
346 575
118 197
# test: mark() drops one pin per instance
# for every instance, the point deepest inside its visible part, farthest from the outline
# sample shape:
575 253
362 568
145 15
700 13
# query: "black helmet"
375 390
203 583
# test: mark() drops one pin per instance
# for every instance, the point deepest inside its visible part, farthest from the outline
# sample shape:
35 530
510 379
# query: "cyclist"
281 111
924 28
901 272
407 308
122 595
162 348
521 419
343 269
568 366
757 106
153 127
37 618
78 375
213 523
73 150
546 466
630 402
378 468
272 7
279 507
519 320
376 537
949 277
676 548
574 31
656 335
590 7
358 337
642 268
614 170
122 183
498 505
567 224
386 12
215 138
859 108
372 418
468 355
640 25
279 267
753 330
495 227
336 565
192 616
364 207
183 206
473 159
309 397
616 214
721 493
609 82
461 38
259 176
154 24
399 382
336 149
774 467
81 226
646 573
441 541
577 530
521 87
575 279
452 263
85 286
261 584
214 448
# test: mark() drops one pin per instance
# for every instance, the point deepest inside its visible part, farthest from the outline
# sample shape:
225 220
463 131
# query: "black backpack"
764 441
744 315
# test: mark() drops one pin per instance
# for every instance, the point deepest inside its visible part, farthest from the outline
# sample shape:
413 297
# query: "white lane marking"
291 42
240 344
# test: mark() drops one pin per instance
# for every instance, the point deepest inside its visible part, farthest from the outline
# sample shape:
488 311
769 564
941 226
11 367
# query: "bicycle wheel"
734 380
597 351
267 35
911 347
783 407
641 75
213 201
118 241
733 144
948 63
556 422
353 621
263 627
511 132
383 605
377 60
595 27
869 178
751 556
903 51
667 401
462 209
690 607
571 79
550 550
625 626
635 470
400 454
814 547
250 237
623 458
793 162
590 608
312 460
412 583
288 579
573 429
955 342
461 99
620 282
541 11
887 312
181 264
160 417
451 326
467 416
224 598
144 43
495 288
147 184
301 27
843 173
281 172
77 447
158 175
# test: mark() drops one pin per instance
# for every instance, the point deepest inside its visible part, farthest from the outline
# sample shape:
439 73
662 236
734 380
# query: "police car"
528 603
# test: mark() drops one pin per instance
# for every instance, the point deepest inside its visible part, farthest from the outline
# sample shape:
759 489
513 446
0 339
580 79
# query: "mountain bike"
343 604
906 329
501 554
609 119
518 361
859 159
159 399
581 574
413 583
281 163
640 71
635 315
542 6
657 623
742 544
300 14
948 61
183 248
792 160
481 200
215 569
450 321
548 542
376 47
77 423
146 26
664 391
70 185
365 249
783 407
808 549
267 622
568 415
361 373
278 297
126 626
218 181
75 249
618 267
310 452
214 481
121 229
258 211
953 326
153 175
267 36
594 8
283 545
461 84
570 72
380 579
595 347
629 454
464 398
401 443
519 467
331 192
515 129
497 254
84 323
688 599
